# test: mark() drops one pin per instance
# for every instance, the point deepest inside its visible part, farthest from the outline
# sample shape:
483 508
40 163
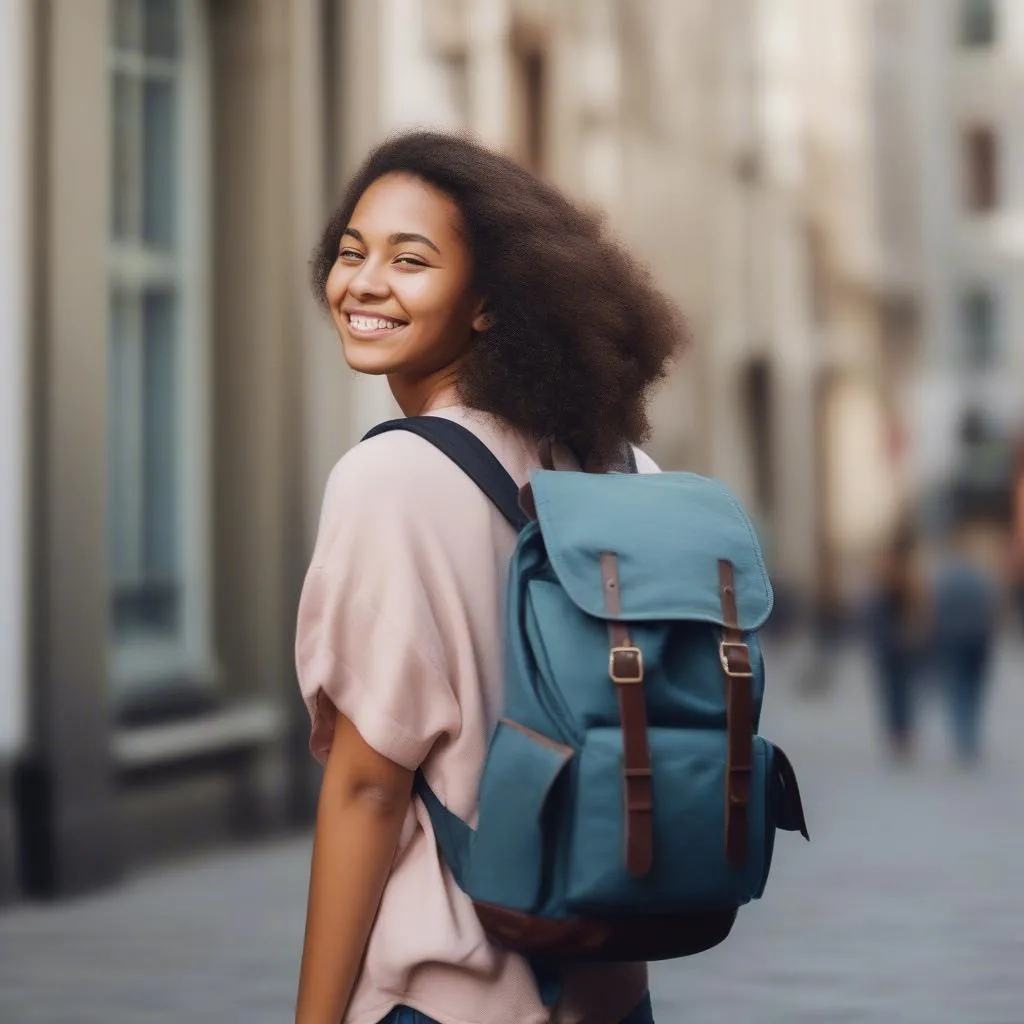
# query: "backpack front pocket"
509 856
690 870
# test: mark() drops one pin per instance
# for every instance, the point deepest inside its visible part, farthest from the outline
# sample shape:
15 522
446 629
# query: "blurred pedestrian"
486 298
896 627
965 617
1017 530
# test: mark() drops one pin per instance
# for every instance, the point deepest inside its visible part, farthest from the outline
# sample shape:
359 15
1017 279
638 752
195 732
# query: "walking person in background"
485 297
966 610
896 619
1017 529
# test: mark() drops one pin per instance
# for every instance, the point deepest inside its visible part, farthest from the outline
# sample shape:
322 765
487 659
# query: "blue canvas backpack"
627 805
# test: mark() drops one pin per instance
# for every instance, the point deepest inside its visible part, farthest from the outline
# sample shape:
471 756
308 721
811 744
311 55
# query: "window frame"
137 663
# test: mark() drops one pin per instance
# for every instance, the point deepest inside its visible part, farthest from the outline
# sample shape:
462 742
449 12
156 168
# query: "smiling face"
401 289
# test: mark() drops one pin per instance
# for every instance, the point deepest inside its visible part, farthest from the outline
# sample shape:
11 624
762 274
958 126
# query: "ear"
483 321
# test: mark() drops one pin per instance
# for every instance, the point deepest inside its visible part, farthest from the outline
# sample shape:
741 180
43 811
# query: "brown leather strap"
626 669
546 456
739 704
527 502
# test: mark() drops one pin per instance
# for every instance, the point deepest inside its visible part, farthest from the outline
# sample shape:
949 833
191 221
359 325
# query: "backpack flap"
668 530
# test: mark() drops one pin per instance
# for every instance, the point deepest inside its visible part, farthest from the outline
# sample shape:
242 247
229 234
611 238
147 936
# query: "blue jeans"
966 668
643 1014
895 682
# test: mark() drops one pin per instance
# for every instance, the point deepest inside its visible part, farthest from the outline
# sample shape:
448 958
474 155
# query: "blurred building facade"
732 144
171 163
950 117
178 400
748 146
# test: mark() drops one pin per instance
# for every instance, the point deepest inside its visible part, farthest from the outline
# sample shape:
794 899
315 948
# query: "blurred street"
907 907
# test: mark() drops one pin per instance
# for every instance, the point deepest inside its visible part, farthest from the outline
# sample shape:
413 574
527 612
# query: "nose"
370 282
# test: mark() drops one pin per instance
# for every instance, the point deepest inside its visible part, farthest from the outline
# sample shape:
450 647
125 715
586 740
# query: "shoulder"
394 464
386 480
393 485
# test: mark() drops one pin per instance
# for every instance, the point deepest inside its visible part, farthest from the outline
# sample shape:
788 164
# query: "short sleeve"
368 639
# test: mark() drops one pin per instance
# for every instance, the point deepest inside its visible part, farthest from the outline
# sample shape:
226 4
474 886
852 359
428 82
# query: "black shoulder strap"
470 454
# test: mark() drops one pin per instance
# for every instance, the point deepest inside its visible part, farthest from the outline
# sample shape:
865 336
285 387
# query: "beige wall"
843 190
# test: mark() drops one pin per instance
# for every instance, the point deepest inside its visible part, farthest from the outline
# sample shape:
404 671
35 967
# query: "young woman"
487 298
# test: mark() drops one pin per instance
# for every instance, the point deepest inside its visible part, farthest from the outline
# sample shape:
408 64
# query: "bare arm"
363 801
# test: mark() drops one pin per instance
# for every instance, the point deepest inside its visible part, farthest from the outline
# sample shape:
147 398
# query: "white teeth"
367 323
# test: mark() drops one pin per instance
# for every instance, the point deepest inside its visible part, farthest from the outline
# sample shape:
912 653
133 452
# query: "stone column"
66 791
15 39
258 363
320 396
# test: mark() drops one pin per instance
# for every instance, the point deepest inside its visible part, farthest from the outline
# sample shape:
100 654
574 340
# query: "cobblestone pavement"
906 908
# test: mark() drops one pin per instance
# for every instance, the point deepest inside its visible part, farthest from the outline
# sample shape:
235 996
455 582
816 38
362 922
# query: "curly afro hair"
579 333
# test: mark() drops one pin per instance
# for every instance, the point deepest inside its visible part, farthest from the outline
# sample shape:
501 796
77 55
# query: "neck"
425 394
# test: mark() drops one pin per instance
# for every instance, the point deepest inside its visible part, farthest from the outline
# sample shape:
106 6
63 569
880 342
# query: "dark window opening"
757 399
978 22
981 154
978 325
534 88
330 62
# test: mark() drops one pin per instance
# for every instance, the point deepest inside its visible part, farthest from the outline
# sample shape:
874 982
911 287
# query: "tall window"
979 329
529 102
757 400
978 22
534 83
157 443
981 157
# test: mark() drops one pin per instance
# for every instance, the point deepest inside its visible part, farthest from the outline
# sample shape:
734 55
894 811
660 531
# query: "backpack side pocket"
509 855
785 809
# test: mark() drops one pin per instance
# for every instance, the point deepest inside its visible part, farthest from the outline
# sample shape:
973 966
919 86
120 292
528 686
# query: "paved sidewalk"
906 908
213 940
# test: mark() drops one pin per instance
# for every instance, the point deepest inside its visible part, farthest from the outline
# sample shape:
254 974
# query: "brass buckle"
723 658
623 678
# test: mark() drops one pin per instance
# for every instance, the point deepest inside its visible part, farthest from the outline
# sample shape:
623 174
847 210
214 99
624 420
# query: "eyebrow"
397 238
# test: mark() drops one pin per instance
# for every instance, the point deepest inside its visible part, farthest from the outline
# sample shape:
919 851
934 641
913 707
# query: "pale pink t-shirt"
400 628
